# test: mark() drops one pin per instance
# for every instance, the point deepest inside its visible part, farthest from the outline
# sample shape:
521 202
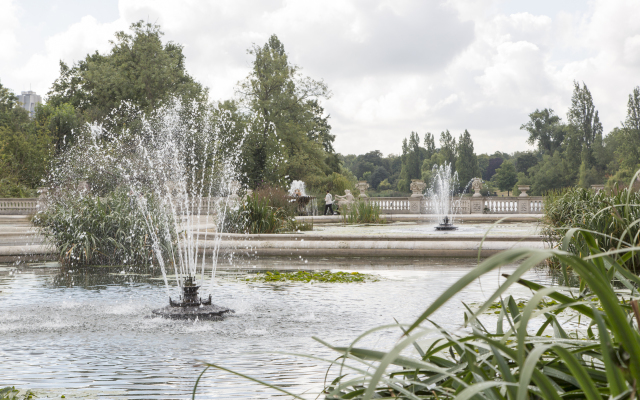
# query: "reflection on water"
89 333
428 228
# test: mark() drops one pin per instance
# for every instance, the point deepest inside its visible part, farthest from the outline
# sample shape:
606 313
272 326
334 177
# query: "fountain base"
445 225
210 312
191 306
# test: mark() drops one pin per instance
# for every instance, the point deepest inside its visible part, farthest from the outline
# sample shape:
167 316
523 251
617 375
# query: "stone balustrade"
9 206
464 205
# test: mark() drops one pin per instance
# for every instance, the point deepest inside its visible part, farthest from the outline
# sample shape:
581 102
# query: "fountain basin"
209 312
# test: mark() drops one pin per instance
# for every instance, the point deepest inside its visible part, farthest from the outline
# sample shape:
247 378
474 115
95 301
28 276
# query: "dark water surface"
89 333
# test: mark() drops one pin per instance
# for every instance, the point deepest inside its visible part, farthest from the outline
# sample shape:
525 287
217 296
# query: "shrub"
89 230
255 215
362 212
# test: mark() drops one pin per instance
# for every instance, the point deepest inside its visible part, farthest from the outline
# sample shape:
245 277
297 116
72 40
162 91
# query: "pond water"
89 333
428 229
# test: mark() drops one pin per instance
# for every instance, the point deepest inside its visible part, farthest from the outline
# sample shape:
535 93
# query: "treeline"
276 113
571 153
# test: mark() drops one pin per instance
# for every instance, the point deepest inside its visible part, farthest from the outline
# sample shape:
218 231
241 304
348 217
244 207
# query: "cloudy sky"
393 66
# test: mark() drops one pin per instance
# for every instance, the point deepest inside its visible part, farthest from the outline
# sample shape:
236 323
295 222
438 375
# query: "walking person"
328 203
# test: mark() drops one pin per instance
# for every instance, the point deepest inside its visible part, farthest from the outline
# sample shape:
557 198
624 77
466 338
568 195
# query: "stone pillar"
477 205
523 204
415 205
523 190
362 186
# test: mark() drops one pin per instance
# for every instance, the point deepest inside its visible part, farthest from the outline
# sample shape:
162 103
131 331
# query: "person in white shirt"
328 203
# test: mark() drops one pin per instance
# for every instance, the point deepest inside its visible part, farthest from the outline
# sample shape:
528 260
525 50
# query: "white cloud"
9 24
393 66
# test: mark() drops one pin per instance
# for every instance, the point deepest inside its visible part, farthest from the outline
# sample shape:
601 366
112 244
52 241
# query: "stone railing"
465 205
18 206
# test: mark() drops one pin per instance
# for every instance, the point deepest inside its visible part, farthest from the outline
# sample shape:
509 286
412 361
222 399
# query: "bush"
362 212
255 215
89 230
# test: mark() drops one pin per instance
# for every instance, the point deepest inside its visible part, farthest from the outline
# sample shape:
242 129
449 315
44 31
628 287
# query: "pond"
89 333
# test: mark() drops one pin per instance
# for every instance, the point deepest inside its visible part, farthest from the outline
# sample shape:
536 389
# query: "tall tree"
583 115
628 154
139 69
429 144
448 147
466 160
545 129
505 177
289 133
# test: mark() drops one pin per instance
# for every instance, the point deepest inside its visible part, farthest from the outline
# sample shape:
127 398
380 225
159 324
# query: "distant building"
29 100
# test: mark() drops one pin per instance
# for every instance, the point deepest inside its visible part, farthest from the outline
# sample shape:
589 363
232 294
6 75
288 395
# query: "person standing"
328 203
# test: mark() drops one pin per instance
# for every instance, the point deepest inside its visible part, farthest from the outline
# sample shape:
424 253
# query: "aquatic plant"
256 215
11 393
598 358
613 216
309 276
110 230
362 212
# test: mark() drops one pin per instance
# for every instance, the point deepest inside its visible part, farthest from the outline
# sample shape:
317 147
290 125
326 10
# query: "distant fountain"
441 194
307 205
179 172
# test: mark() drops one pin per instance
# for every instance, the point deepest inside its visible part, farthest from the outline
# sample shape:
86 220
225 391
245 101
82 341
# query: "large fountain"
441 194
178 171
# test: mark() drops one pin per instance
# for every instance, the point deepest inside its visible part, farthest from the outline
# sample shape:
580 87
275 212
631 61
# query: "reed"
90 230
362 212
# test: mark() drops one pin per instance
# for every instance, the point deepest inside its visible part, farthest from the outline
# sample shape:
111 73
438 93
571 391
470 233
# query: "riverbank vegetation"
610 215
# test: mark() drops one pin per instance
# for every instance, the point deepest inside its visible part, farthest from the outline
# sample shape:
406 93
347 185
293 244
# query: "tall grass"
90 230
613 215
255 215
362 212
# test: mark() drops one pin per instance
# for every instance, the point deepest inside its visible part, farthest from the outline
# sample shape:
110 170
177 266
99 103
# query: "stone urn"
417 187
83 186
234 186
362 186
476 185
523 190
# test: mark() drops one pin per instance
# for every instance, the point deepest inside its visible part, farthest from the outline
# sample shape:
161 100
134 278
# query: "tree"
628 153
448 147
429 144
494 164
545 129
379 174
139 69
526 161
583 115
505 176
288 133
466 160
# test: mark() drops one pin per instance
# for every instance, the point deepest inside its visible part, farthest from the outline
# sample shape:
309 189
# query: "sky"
393 66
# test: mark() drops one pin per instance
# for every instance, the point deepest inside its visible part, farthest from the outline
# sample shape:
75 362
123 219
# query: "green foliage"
505 176
312 276
90 230
11 393
287 131
362 212
545 129
263 212
614 216
467 162
139 69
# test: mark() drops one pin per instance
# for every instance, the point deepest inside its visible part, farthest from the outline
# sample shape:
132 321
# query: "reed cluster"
111 230
362 212
611 216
